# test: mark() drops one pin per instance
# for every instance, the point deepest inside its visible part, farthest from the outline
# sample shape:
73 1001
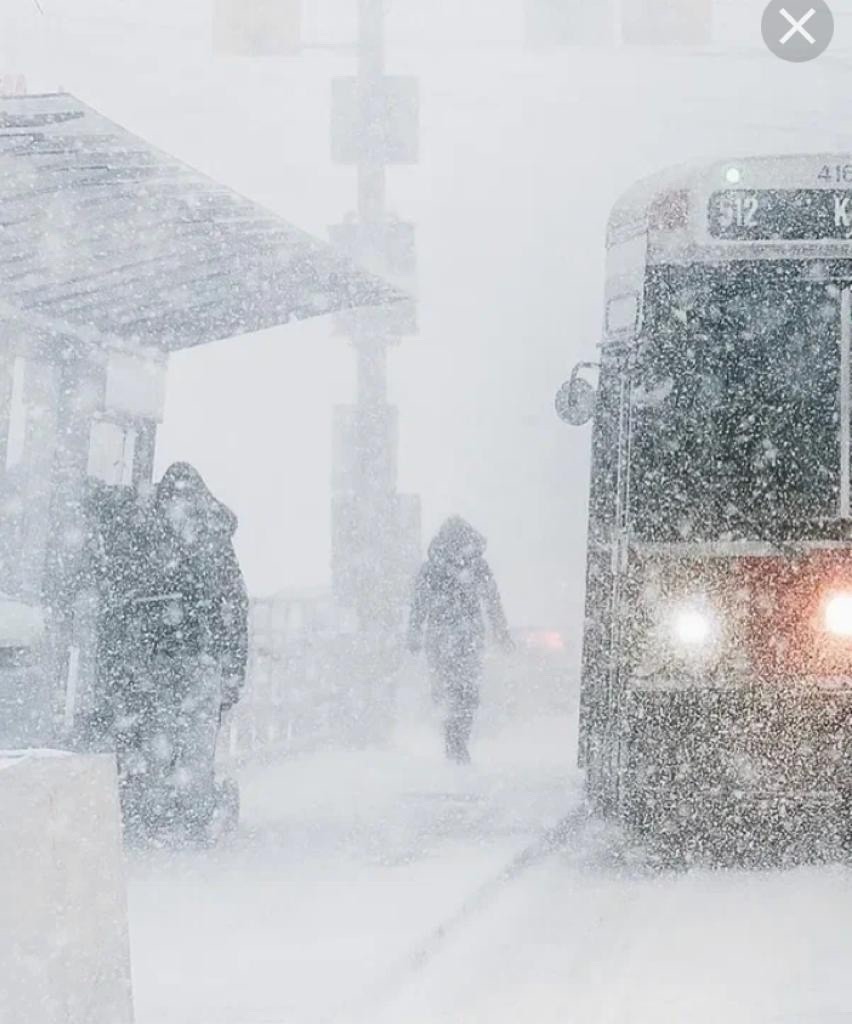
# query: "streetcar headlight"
687 636
837 614
692 629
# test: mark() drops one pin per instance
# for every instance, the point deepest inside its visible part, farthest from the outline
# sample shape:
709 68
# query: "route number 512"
739 210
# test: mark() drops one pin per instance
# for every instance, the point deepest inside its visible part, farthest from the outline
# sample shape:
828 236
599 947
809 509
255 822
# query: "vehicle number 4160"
838 173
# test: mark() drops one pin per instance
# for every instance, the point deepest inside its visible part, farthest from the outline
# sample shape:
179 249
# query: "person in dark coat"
186 627
196 533
452 590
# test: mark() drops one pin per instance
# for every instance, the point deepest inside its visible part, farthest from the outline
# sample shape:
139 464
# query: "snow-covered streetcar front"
717 659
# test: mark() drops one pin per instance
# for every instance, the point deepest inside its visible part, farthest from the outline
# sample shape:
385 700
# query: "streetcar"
717 653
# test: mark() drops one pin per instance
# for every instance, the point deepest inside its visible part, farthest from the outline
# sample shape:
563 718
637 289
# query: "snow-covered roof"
104 237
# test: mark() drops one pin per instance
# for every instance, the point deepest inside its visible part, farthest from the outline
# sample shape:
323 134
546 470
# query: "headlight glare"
837 614
690 629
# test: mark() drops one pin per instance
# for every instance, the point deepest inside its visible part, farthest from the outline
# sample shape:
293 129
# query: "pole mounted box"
388 248
378 123
667 22
568 23
390 322
257 28
366 441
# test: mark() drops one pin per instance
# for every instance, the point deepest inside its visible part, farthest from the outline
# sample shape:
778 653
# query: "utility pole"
375 530
374 124
373 439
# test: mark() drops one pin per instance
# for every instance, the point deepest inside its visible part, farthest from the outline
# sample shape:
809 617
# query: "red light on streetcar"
837 614
799 618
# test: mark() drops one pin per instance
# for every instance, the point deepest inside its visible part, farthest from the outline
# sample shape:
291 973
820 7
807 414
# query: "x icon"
798 27
807 31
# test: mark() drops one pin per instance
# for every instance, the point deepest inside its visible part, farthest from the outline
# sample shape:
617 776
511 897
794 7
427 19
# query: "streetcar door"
598 698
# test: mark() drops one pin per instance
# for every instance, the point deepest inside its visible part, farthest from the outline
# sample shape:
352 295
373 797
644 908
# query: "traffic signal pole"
374 124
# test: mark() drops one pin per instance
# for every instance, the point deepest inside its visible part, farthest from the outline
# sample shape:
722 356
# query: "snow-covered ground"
583 939
344 864
385 886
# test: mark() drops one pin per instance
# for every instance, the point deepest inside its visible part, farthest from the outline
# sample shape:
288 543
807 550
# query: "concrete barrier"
25 692
64 948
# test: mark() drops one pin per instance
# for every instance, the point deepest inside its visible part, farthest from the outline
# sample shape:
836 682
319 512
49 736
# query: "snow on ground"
348 864
575 941
329 905
344 862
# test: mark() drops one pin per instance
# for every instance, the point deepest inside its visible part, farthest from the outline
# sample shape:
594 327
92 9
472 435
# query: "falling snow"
339 680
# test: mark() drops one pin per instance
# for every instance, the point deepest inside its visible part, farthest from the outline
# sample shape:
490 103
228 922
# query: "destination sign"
781 214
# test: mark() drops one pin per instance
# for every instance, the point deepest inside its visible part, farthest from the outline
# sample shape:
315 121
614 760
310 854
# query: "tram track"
601 850
565 834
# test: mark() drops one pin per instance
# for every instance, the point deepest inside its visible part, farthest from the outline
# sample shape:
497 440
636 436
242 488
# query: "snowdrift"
64 950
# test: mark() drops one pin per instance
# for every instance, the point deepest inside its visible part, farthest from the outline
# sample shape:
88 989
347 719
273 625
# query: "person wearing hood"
188 622
455 590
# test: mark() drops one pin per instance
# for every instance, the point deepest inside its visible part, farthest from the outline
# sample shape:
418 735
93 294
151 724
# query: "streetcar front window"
735 404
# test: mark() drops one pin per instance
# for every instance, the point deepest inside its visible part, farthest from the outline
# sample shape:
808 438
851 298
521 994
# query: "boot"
456 742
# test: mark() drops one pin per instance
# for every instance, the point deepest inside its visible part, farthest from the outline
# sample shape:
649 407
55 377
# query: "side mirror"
575 400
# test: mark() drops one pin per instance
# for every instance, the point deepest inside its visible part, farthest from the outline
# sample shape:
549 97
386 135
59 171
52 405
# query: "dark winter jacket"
452 589
160 588
191 577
